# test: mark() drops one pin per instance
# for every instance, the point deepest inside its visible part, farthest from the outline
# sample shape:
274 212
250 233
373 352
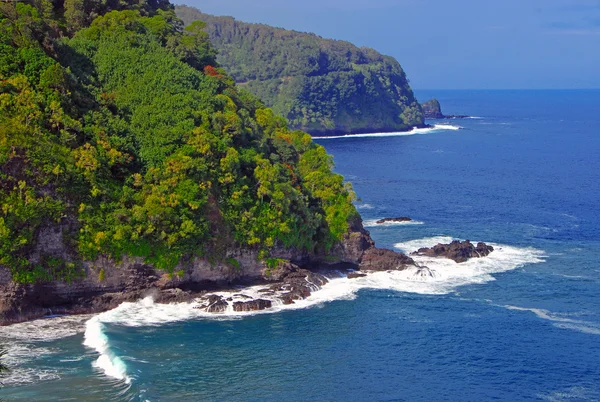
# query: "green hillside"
118 130
322 86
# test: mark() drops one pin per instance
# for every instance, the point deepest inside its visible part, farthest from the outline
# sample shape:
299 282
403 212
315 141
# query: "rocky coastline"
216 287
108 284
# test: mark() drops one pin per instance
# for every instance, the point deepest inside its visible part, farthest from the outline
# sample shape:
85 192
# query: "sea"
523 324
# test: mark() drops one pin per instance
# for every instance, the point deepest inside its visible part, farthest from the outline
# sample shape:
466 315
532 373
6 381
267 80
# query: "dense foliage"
321 86
123 132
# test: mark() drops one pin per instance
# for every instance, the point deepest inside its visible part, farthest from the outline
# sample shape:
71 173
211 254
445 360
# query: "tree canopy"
118 128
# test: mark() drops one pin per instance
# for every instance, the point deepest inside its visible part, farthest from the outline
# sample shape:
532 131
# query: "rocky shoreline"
216 287
108 284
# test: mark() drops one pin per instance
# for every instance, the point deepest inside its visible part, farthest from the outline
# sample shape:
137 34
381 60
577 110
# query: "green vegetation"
321 86
117 125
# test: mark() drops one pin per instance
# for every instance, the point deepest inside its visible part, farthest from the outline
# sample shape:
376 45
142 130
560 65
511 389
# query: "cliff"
321 86
131 163
108 283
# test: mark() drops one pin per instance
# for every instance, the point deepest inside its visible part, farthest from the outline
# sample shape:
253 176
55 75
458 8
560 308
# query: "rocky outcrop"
107 283
400 219
252 305
379 259
457 251
433 110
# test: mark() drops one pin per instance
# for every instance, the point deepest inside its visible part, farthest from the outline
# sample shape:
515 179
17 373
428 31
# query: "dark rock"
253 305
457 251
353 275
433 110
379 259
216 304
400 219
299 285
174 296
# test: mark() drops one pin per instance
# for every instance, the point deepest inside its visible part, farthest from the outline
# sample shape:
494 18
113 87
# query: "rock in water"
253 305
432 109
380 259
400 219
354 275
216 304
457 251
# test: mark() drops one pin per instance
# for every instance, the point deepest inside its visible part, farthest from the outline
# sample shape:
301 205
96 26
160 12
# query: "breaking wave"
414 131
371 223
560 321
430 276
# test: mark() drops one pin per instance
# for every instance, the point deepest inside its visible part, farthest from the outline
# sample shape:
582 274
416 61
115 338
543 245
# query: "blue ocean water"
522 324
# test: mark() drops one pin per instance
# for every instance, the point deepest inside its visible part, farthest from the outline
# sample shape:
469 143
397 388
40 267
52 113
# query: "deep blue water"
523 176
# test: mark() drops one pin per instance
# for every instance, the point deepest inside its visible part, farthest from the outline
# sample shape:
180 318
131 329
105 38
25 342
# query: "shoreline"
107 284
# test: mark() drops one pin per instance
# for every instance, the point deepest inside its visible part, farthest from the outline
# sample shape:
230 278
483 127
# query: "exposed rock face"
433 110
216 304
457 251
354 275
253 305
107 284
299 285
400 219
379 259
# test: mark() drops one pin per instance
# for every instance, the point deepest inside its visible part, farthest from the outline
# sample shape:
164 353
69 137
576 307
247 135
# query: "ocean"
522 174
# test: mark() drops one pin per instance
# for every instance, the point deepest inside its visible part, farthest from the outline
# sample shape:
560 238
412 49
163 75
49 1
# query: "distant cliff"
321 86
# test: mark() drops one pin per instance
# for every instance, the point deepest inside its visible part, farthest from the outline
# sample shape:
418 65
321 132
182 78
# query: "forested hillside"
322 86
119 130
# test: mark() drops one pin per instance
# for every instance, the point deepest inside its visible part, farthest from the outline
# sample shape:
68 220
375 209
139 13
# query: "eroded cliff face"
108 283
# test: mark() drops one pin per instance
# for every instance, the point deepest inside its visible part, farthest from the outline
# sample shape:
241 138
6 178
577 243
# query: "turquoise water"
522 324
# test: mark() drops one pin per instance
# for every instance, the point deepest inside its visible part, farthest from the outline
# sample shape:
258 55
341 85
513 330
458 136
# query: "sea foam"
431 276
561 322
414 131
372 223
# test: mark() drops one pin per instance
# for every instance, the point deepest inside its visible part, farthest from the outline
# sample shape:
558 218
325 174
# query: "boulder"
216 304
253 305
380 259
457 251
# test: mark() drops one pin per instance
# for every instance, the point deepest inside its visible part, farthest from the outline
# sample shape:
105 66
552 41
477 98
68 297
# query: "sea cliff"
108 283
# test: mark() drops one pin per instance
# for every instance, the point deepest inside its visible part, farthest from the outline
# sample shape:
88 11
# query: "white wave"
475 117
369 223
364 206
95 338
46 329
440 276
414 245
562 322
17 359
414 131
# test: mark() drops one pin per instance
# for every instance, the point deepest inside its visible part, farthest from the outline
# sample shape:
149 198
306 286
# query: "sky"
451 44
